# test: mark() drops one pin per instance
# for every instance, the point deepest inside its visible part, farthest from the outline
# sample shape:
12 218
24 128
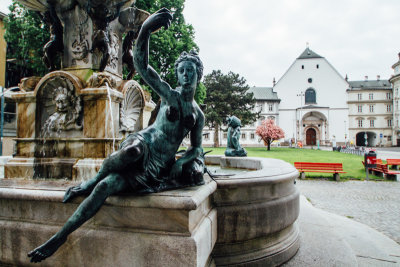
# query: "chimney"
378 77
273 82
366 78
347 78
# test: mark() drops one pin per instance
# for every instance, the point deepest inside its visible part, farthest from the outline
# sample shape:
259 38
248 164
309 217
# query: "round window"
309 80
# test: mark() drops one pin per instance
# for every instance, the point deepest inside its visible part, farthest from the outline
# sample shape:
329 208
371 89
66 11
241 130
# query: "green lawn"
352 164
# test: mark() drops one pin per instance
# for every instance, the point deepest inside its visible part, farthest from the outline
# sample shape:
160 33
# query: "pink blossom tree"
269 132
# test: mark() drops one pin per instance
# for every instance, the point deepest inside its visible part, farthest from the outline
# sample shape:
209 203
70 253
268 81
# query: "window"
389 123
243 136
317 66
397 104
389 108
359 108
225 135
270 107
372 123
388 96
371 108
371 96
360 123
302 67
309 80
397 91
252 136
206 136
397 123
310 97
389 138
271 118
359 96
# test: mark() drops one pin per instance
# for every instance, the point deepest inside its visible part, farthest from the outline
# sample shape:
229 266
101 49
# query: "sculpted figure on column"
145 161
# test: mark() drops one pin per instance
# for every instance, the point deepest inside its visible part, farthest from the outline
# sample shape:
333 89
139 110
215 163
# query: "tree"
25 34
269 132
167 45
226 96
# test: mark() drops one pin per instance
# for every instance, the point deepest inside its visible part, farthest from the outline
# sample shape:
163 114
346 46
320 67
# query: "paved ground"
376 204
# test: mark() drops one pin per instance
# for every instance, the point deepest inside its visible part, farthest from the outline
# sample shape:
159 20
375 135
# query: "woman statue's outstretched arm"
161 18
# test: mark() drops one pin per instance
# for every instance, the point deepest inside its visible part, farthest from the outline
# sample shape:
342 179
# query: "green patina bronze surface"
233 148
146 162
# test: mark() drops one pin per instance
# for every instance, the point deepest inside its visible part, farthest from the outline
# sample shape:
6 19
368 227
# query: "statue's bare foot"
46 250
72 192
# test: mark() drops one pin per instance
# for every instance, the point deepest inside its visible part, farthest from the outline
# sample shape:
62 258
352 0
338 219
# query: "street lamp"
301 94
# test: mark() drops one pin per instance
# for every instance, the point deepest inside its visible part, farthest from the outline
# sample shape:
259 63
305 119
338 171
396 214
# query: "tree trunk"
269 145
216 135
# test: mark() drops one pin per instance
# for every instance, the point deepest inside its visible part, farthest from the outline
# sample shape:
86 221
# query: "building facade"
370 112
395 81
313 106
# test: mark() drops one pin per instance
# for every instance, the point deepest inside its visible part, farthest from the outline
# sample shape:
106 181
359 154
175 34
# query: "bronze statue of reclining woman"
145 161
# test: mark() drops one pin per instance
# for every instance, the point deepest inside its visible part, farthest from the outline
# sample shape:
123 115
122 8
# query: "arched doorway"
311 137
371 139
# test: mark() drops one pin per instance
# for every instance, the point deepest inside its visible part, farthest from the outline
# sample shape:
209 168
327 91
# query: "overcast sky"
260 39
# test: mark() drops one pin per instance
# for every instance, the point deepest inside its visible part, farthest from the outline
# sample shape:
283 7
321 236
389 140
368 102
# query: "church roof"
370 84
264 93
308 53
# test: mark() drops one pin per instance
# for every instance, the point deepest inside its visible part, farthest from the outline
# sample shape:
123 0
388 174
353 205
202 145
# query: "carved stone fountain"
72 118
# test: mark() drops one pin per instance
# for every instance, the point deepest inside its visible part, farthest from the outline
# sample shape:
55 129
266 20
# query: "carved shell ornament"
131 108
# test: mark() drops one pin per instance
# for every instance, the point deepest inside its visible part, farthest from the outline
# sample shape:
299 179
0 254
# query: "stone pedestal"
173 228
256 212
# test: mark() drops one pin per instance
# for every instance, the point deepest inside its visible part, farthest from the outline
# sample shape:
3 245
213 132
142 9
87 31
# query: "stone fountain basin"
247 219
256 212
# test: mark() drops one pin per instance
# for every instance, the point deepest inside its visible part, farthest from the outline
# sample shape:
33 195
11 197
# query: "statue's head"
62 99
193 57
234 121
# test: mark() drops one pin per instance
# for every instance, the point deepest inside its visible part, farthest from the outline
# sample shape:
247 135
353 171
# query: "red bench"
393 162
335 168
382 169
378 161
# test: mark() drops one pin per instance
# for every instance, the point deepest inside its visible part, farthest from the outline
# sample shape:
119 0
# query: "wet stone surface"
376 204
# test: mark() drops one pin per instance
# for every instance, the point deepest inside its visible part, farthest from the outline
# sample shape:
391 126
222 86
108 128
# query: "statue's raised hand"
162 18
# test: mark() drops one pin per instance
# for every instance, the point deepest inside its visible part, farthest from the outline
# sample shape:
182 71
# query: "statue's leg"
116 162
112 184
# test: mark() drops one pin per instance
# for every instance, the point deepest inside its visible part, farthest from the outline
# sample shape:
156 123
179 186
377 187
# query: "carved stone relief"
80 45
100 79
59 108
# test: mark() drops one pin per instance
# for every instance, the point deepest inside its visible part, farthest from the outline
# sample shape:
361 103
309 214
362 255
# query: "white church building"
313 107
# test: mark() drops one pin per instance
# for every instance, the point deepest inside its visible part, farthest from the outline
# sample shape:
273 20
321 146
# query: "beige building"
370 112
3 49
395 80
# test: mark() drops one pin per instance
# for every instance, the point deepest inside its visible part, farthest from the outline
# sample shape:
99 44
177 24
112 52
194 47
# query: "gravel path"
376 204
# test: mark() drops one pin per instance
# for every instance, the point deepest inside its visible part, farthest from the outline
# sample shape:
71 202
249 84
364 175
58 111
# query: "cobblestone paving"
376 204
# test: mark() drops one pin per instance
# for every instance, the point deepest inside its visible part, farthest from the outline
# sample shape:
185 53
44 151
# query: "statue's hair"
192 56
62 90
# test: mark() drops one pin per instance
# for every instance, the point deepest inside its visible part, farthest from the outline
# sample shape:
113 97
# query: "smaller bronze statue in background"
233 148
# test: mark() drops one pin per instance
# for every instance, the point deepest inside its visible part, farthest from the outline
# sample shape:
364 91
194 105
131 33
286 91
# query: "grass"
352 164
